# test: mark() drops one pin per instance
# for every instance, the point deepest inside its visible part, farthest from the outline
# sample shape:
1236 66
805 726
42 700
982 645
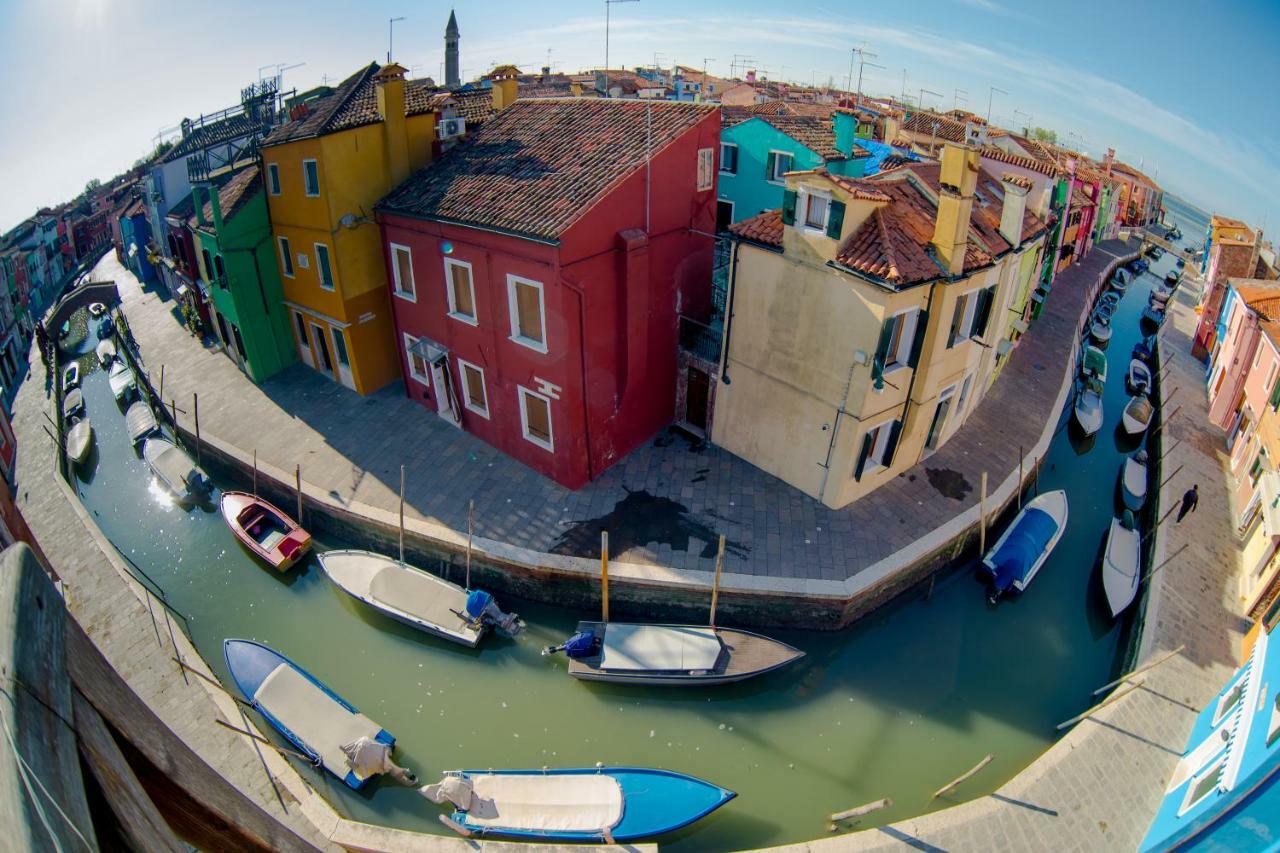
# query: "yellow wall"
354 175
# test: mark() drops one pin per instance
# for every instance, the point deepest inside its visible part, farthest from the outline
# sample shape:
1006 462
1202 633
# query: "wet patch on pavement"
951 484
637 520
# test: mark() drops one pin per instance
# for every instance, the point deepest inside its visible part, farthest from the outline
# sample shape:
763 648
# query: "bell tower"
451 77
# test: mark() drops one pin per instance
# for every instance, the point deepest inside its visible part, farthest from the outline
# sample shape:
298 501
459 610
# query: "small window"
301 329
217 266
901 339
324 269
1204 784
706 169
878 444
964 394
815 214
402 272
208 263
473 392
340 347
535 418
964 316
286 258
528 326
461 290
418 368
1229 700
779 165
273 179
311 177
728 158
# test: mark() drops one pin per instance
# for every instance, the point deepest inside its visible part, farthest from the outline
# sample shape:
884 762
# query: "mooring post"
195 413
604 575
954 783
1166 561
161 394
402 515
862 810
471 508
255 472
715 583
173 413
1020 462
1171 476
297 482
982 516
1113 697
1146 666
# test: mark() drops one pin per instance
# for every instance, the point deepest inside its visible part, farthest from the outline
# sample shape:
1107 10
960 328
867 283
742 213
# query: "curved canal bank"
894 707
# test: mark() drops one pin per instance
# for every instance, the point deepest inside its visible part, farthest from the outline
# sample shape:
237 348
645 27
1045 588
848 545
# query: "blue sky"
1183 90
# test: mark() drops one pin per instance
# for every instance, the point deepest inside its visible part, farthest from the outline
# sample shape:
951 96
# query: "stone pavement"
1098 787
664 505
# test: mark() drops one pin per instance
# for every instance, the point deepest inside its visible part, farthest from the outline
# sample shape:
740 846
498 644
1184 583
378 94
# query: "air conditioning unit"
451 127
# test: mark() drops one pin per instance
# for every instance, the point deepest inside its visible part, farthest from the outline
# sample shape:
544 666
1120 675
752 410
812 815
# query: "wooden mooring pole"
1165 562
173 413
297 482
982 516
1165 421
161 392
1171 476
955 783
715 583
471 510
402 515
1139 670
195 413
1124 691
604 575
255 472
1020 463
862 810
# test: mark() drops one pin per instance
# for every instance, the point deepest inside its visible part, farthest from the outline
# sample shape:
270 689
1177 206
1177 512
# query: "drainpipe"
582 366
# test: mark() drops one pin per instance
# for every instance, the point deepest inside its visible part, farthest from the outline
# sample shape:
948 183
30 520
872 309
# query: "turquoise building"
1225 791
756 152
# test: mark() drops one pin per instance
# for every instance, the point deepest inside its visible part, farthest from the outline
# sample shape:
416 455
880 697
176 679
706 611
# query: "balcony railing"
700 340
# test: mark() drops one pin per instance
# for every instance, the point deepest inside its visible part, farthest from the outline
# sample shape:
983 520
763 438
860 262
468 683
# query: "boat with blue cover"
1018 555
609 804
326 728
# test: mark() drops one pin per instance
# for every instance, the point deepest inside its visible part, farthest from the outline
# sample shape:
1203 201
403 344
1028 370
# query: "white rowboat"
1137 415
123 382
79 440
1120 566
1133 480
1088 408
140 421
173 467
106 352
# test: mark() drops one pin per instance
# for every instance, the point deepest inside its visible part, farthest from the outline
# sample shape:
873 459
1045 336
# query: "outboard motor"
482 608
583 644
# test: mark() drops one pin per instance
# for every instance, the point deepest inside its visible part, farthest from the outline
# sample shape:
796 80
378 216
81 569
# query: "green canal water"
895 706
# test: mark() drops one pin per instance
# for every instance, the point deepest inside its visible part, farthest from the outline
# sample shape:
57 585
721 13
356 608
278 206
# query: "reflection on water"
896 706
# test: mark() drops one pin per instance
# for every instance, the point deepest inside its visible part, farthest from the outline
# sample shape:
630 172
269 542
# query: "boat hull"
175 469
1053 504
654 802
79 440
1120 564
293 544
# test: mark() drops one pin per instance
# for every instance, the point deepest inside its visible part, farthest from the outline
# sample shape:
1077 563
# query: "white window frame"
410 295
732 207
963 399
873 462
286 257
807 197
777 178
333 281
273 178
1222 709
469 319
1271 377
964 331
1213 767
901 354
424 378
736 152
306 189
463 366
706 177
513 308
550 445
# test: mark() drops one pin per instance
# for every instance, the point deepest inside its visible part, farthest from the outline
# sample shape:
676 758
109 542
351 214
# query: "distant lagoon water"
1191 220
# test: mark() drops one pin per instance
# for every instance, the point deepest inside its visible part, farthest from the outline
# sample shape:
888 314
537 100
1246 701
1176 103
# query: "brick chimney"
959 179
390 86
1015 206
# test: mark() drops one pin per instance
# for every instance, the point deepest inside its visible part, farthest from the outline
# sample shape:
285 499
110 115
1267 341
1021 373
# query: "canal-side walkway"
664 505
1099 786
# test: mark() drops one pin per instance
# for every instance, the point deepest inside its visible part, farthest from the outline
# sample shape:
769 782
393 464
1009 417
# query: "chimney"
1015 206
959 179
1109 161
505 84
186 128
390 86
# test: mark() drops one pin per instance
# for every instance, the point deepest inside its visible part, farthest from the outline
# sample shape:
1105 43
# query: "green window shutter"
1275 395
835 219
956 317
882 348
788 206
917 345
862 457
891 447
769 164
986 298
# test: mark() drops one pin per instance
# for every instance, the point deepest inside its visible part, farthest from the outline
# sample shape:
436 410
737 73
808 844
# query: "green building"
236 254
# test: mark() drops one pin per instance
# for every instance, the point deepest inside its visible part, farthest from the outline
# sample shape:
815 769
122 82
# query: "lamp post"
607 4
391 33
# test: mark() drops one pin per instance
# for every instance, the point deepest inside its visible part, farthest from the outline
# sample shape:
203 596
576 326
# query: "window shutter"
862 456
917 345
882 348
835 219
1275 395
770 162
788 206
986 298
956 317
891 447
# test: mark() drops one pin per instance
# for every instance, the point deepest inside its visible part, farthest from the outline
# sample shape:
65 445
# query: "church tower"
451 80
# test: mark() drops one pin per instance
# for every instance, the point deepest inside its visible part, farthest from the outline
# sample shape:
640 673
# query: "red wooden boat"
265 530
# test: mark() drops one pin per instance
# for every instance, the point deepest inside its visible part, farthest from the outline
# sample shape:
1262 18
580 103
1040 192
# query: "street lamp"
391 32
607 4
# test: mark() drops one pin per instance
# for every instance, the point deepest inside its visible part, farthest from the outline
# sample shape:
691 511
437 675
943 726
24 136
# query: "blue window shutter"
835 219
788 207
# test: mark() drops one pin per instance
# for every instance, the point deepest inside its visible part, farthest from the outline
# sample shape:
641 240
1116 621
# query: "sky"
1181 88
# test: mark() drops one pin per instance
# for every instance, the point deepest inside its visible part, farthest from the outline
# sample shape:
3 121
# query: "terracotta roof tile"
539 164
860 188
209 135
1017 180
233 195
816 134
1034 164
936 124
763 228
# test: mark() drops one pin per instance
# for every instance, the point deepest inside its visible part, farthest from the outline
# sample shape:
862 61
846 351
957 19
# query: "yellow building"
868 318
325 169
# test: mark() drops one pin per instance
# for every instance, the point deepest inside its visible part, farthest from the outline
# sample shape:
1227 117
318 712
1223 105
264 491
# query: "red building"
537 272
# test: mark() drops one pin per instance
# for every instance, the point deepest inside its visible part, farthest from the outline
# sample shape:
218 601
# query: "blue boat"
320 723
610 804
1016 557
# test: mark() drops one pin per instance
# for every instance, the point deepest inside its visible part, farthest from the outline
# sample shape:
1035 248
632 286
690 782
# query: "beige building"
867 319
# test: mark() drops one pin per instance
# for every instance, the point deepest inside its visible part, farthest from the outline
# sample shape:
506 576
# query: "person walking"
1189 501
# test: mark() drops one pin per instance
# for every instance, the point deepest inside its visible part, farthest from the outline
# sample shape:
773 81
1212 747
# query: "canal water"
895 706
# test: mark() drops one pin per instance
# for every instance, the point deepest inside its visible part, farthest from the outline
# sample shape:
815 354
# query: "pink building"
1248 303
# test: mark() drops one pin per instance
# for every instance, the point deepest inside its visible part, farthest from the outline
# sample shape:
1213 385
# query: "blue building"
1225 792
756 151
135 233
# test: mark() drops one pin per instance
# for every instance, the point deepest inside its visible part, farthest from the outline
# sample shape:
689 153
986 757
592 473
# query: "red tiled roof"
1018 180
1003 156
816 134
860 188
232 196
763 228
946 128
537 166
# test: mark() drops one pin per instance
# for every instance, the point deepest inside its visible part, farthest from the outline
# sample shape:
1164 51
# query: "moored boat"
1139 377
106 352
106 328
1104 310
139 421
1088 407
72 403
1100 331
324 726
1153 315
1141 350
1133 480
79 440
1094 364
1120 279
1137 415
609 804
97 309
1022 549
272 536
71 376
123 382
415 597
1120 564
1171 278
175 469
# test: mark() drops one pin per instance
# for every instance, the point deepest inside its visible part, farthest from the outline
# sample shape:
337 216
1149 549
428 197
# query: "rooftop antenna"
990 94
703 83
1018 112
962 95
923 92
903 97
859 53
607 5
391 33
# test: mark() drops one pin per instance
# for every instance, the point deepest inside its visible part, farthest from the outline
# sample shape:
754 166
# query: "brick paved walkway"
664 505
1098 787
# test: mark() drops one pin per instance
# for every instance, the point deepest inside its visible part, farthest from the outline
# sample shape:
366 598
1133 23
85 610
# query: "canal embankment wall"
1030 395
